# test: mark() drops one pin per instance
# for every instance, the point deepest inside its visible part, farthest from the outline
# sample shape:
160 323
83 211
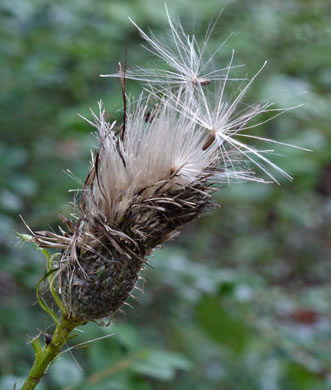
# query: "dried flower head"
152 174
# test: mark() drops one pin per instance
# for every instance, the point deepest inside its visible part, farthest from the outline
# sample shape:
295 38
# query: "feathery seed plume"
188 63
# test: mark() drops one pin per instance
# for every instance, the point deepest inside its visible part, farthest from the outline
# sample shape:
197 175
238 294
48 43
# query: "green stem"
45 357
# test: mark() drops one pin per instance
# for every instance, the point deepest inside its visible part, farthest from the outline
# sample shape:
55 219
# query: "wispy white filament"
151 153
181 126
188 64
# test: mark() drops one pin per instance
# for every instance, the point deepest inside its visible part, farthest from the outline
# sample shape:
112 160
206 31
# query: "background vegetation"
242 299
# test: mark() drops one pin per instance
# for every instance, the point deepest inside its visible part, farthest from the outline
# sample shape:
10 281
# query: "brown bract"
101 261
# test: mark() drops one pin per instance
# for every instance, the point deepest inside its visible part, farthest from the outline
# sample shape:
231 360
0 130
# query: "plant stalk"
44 357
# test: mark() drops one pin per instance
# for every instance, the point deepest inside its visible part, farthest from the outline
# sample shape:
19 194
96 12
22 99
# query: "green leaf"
161 365
301 377
65 372
221 325
126 335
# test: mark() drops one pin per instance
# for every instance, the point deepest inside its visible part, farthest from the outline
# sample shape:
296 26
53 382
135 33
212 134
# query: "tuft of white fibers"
155 172
188 64
152 151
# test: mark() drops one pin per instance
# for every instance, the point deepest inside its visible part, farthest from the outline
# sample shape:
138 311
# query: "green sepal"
57 299
42 304
50 271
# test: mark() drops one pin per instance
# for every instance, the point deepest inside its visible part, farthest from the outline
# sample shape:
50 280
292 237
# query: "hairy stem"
44 357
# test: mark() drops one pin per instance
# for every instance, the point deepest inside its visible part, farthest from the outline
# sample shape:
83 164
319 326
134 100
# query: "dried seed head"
151 175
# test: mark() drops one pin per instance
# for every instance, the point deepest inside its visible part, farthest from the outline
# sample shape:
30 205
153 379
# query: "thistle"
153 173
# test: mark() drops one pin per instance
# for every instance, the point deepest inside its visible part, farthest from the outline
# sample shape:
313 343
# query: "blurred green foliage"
242 299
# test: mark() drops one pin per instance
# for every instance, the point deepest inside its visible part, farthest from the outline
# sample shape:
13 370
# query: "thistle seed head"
152 174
